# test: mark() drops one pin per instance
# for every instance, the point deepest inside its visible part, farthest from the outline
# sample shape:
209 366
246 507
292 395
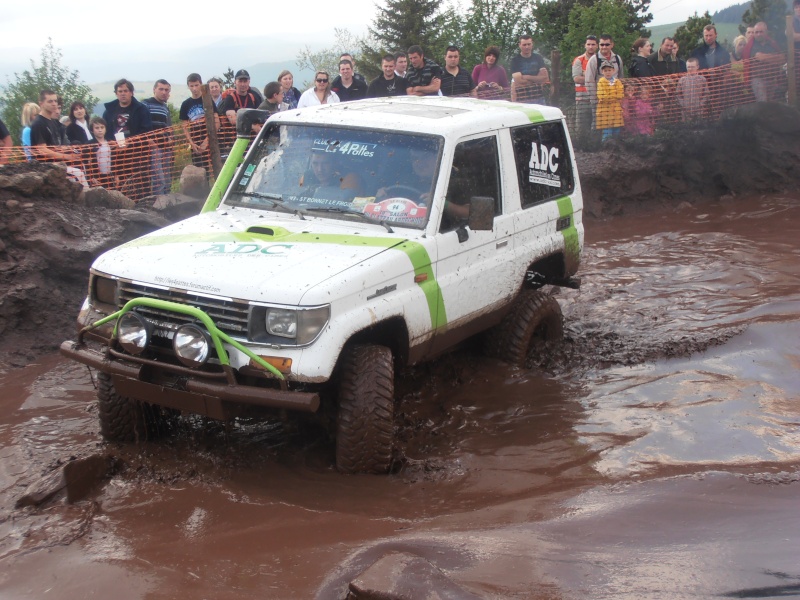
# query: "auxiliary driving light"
133 332
192 345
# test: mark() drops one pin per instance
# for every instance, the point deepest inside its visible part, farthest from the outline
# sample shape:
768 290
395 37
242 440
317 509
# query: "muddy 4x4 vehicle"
351 239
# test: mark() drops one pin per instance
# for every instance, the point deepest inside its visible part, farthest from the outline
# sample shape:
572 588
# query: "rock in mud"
194 182
403 576
177 207
102 198
77 478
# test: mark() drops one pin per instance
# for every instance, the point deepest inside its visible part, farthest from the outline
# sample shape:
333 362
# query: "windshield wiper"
275 200
348 211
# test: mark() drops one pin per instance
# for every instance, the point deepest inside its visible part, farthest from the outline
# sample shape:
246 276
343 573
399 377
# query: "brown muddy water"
655 453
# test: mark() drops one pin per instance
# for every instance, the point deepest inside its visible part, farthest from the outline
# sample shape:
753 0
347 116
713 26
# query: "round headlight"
133 332
192 345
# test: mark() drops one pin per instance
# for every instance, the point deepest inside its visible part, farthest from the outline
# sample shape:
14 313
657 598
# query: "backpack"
596 58
236 101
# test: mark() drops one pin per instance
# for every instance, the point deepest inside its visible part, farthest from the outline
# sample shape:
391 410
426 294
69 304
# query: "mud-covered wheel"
121 418
536 318
364 423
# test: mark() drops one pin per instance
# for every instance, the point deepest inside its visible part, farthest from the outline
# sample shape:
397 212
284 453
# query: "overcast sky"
170 39
163 24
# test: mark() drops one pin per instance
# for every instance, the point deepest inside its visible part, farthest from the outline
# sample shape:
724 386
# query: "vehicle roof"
432 114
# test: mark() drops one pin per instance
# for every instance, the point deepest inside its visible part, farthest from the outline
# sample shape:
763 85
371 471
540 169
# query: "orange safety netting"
146 164
151 163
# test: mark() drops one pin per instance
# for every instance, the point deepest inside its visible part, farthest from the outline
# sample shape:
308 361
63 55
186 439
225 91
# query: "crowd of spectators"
657 84
660 84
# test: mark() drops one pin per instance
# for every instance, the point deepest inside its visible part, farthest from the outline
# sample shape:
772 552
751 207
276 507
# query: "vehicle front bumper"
198 396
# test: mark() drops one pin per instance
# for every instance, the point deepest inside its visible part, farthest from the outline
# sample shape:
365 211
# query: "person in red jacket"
763 72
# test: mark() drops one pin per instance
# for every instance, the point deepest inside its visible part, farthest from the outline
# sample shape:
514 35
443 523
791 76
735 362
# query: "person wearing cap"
610 91
605 53
583 104
243 96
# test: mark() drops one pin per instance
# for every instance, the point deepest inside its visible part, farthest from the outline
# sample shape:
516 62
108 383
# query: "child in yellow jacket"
610 92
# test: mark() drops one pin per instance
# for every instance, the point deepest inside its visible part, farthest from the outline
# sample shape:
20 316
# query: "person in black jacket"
78 130
126 115
663 62
639 67
710 54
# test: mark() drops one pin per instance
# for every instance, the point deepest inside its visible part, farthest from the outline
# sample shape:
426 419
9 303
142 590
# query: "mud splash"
655 453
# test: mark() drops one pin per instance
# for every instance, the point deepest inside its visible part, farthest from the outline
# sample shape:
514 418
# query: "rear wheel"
535 319
364 424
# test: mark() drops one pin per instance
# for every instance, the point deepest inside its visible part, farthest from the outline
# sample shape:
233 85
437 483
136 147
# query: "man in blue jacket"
710 54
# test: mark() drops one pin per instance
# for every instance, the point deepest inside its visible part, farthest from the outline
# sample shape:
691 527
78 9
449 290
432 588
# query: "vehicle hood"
247 254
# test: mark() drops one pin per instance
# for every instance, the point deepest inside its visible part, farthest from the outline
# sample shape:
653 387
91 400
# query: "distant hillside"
732 14
726 32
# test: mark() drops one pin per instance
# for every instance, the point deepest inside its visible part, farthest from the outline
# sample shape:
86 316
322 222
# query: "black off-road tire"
122 419
535 318
365 419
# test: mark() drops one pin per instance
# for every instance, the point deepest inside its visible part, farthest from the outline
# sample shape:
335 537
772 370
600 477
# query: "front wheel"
536 318
364 424
121 418
124 419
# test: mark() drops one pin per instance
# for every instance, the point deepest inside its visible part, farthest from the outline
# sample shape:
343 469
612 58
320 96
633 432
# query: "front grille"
229 315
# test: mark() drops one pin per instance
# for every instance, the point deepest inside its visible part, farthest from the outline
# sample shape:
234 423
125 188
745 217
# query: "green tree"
399 24
610 17
328 58
493 23
690 35
228 79
552 19
773 13
50 74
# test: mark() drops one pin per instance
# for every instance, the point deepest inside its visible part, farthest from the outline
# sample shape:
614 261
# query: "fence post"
791 62
555 77
211 129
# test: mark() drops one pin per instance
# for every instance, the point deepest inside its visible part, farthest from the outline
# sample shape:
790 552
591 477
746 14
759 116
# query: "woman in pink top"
490 76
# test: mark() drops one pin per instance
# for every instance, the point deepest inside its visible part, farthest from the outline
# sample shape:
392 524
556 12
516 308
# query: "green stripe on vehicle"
416 253
534 116
225 175
572 247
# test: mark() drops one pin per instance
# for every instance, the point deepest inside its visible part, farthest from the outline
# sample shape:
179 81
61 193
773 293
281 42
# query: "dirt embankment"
51 231
753 149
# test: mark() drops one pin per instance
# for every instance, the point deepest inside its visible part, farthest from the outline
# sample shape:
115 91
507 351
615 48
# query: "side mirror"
246 118
481 213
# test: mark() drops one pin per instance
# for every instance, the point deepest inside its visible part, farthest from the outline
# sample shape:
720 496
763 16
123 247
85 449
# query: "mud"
655 453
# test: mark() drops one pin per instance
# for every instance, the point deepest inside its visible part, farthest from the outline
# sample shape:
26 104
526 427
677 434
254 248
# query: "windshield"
341 173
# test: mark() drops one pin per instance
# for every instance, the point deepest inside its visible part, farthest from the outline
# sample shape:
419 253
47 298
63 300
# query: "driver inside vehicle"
328 183
417 184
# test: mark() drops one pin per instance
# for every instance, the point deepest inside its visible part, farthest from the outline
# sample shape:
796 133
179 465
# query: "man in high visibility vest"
583 103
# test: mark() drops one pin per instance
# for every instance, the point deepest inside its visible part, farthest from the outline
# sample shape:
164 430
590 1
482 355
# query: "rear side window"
544 165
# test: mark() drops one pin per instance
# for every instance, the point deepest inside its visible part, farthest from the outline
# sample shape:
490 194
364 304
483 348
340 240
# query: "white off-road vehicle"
350 239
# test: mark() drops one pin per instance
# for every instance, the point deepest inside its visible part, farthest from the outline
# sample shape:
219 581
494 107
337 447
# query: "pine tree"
690 35
773 13
403 23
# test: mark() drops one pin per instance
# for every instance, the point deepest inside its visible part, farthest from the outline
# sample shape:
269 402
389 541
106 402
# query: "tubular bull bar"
132 370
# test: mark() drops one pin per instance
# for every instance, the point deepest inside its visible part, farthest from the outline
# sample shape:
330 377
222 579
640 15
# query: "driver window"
475 172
